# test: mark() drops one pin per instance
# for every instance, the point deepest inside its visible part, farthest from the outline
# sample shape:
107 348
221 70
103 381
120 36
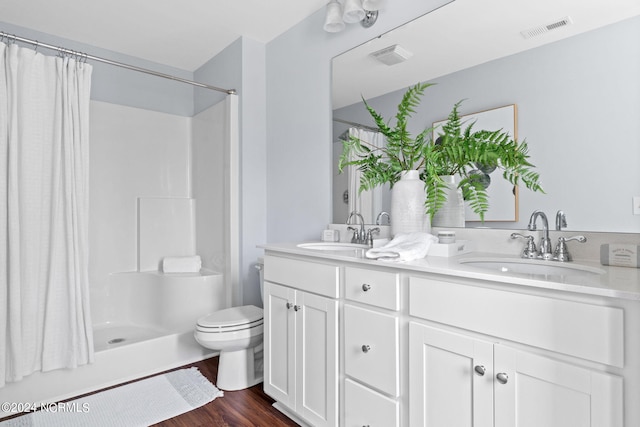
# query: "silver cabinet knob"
297 308
480 370
366 348
502 378
366 287
289 305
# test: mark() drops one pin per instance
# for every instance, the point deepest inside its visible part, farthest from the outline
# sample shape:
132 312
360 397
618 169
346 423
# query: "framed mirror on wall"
575 87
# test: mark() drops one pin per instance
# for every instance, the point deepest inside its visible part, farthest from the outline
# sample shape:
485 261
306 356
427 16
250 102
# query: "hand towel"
404 247
182 264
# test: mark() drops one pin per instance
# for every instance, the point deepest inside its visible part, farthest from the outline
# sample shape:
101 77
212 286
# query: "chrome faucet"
561 220
544 248
562 253
530 250
358 235
381 215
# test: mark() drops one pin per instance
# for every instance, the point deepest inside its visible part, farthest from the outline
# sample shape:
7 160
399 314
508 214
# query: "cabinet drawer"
587 331
371 348
365 407
378 288
322 279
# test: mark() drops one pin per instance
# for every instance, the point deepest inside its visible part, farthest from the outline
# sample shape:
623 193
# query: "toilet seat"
231 320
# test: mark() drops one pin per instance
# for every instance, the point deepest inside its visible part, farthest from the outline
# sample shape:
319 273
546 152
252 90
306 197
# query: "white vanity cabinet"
371 325
351 342
301 338
459 377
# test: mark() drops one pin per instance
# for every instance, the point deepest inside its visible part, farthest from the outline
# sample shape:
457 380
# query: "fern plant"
457 152
462 152
381 165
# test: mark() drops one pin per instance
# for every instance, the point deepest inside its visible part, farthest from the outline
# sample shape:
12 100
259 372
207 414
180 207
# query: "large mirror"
571 67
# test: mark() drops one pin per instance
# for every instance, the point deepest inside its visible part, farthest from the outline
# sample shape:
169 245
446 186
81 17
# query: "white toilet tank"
260 268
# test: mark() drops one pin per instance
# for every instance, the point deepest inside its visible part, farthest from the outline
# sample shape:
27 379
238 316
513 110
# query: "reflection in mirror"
502 194
576 89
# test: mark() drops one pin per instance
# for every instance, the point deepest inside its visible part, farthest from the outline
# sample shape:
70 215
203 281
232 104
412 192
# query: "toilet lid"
231 317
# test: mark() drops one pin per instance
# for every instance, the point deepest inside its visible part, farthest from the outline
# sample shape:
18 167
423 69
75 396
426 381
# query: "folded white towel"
181 264
404 247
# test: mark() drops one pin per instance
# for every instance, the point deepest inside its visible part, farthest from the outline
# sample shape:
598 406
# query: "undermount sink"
531 266
332 246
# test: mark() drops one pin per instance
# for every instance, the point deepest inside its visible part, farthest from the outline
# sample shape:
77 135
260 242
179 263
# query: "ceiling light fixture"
351 11
333 23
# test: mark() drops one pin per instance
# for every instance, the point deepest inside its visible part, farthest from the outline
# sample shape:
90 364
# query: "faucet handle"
356 234
562 252
580 239
530 250
369 236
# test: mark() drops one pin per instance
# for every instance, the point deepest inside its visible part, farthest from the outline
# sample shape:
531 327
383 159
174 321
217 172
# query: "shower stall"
160 185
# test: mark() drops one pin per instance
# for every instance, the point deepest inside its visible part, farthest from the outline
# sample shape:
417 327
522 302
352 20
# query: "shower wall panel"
133 153
210 181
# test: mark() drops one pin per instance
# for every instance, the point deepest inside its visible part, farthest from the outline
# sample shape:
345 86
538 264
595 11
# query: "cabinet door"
317 359
279 341
450 379
545 392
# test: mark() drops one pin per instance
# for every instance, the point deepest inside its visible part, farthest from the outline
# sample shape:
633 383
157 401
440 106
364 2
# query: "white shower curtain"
369 202
44 158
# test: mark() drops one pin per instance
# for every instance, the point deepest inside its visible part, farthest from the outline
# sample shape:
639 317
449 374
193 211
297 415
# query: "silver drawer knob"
366 287
297 308
289 305
366 348
502 378
480 370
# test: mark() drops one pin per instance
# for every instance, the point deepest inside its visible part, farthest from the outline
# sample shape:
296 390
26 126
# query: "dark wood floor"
243 408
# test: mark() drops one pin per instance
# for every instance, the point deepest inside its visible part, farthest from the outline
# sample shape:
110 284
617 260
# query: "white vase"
451 214
407 205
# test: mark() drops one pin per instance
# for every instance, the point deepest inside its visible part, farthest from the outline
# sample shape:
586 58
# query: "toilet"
237 333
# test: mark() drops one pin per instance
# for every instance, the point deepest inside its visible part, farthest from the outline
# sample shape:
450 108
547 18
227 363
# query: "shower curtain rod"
85 56
365 127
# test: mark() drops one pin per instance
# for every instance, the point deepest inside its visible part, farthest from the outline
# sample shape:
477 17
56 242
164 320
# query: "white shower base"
152 331
117 334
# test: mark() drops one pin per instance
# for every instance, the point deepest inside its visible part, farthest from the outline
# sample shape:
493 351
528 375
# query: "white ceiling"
187 33
463 34
183 33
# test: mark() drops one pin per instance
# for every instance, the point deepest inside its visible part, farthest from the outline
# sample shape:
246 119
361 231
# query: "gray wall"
578 107
253 197
241 66
299 118
120 86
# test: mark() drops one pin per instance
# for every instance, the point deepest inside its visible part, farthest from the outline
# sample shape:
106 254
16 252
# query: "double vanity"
475 340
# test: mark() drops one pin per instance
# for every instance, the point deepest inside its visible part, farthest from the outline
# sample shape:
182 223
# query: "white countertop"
615 282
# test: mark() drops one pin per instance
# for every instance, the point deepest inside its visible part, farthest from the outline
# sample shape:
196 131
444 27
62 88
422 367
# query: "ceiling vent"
392 55
537 31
